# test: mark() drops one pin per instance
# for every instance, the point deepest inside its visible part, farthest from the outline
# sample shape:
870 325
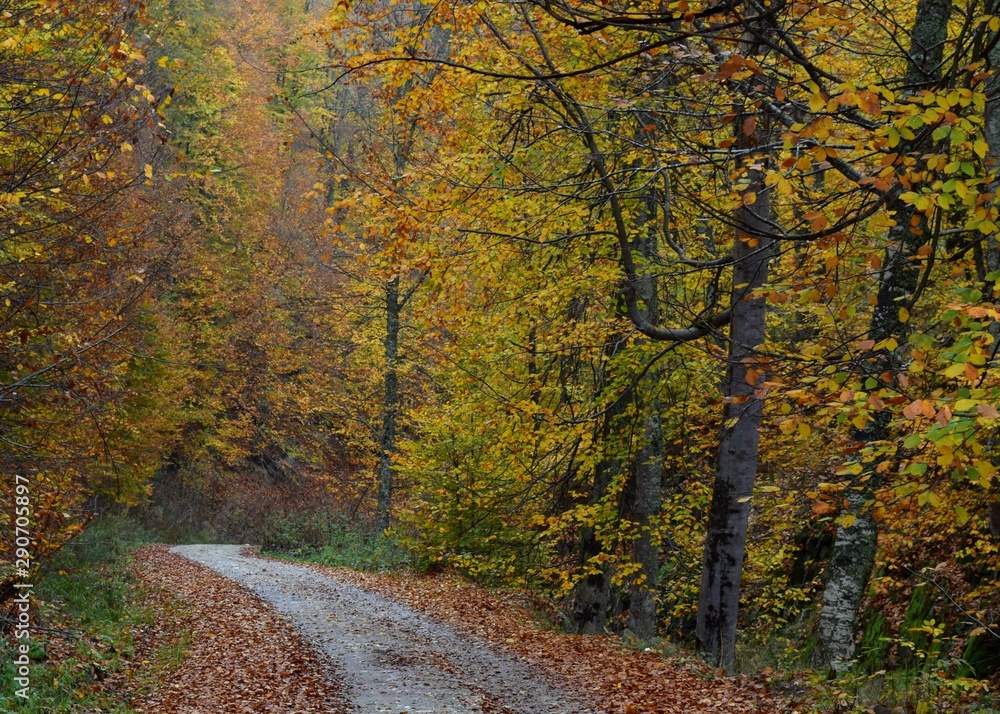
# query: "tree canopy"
681 314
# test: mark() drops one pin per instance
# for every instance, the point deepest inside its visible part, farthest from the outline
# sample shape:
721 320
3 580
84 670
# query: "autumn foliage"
682 314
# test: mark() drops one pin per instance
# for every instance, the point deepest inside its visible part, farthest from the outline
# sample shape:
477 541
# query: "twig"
64 633
961 609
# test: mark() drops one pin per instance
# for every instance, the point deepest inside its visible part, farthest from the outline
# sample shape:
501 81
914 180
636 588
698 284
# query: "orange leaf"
731 66
914 410
822 508
987 411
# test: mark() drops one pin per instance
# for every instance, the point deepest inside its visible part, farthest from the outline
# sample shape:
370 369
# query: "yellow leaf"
955 370
847 521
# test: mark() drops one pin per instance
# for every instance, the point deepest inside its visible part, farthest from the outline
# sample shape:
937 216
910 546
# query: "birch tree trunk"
855 544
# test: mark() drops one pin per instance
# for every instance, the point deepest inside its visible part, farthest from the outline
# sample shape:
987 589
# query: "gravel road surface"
388 657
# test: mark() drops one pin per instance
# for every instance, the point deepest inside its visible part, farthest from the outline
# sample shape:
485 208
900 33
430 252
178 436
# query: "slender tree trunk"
991 249
991 117
989 252
590 605
594 591
855 544
725 541
590 608
649 460
390 405
646 551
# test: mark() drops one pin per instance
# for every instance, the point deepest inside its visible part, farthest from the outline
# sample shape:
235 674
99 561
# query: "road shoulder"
242 657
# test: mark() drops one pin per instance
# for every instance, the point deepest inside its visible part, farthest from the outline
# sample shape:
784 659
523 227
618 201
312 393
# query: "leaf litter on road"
242 656
621 680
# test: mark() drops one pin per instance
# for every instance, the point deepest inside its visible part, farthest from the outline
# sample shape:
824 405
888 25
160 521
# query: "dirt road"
386 656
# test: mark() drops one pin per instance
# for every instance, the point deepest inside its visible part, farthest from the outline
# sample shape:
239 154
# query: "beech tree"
636 305
76 260
775 158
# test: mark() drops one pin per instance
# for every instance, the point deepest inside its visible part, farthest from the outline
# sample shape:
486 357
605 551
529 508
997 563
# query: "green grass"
325 540
87 591
905 690
366 552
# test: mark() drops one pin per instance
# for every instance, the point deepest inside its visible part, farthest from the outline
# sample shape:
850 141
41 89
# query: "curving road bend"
389 658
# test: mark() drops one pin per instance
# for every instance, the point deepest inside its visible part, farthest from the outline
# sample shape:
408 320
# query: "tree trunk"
649 459
590 602
590 605
991 132
390 406
593 593
991 118
646 552
590 608
991 254
854 547
725 541
850 567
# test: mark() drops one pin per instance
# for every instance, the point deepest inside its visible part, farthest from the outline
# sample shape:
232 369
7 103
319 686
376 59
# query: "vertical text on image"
22 602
